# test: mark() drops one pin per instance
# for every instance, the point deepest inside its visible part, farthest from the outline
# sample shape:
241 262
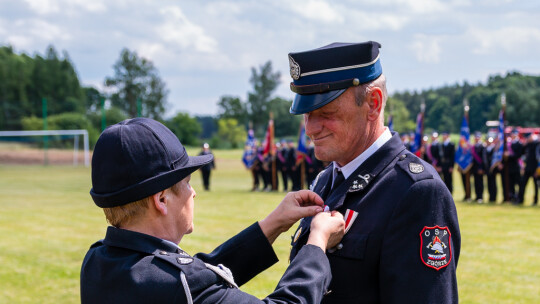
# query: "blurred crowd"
520 163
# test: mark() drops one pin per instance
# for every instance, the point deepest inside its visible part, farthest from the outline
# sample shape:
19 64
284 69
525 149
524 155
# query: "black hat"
322 75
137 158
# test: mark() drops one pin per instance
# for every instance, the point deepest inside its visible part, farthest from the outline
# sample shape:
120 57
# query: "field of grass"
48 221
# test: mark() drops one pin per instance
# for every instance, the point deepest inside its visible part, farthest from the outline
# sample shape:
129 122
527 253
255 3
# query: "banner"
498 154
417 144
249 150
302 146
463 153
268 144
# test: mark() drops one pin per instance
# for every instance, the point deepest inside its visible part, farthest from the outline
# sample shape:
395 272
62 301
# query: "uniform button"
403 156
163 253
328 292
339 246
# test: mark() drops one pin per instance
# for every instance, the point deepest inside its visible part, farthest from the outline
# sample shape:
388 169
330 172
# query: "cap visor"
306 103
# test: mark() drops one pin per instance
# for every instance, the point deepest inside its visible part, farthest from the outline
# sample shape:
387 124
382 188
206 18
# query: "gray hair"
363 90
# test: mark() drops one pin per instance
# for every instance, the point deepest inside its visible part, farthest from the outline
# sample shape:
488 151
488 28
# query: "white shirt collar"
349 168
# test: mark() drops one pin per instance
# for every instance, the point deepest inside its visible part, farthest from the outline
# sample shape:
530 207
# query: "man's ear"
375 103
159 202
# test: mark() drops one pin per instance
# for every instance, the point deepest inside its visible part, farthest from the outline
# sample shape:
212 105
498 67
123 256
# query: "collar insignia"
360 184
295 68
416 168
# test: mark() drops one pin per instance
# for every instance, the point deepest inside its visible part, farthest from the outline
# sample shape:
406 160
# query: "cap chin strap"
324 87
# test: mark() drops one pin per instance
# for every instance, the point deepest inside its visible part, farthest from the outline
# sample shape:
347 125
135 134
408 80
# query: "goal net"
40 146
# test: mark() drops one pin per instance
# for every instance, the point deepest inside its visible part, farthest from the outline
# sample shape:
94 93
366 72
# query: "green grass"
48 221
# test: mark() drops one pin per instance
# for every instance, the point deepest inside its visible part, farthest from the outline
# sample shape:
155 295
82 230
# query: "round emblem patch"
416 168
435 247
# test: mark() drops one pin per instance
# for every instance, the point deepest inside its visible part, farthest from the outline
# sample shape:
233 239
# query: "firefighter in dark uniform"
529 151
140 176
513 152
448 153
478 169
402 239
206 170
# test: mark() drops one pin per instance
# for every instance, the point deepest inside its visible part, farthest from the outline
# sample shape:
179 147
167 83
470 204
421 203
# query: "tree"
185 127
285 124
264 82
229 130
137 86
232 107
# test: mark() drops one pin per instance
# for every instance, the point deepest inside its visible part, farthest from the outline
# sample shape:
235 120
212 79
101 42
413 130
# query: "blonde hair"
121 215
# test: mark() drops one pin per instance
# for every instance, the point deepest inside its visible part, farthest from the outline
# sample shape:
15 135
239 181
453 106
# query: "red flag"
269 139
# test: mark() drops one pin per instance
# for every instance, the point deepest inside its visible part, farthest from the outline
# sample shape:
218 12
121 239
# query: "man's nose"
312 124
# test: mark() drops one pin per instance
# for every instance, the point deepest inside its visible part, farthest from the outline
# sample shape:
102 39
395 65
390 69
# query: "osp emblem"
435 247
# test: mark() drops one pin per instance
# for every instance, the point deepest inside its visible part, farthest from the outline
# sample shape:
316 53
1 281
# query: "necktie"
339 179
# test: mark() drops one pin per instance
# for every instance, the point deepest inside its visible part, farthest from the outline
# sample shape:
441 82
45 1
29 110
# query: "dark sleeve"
403 274
246 254
305 281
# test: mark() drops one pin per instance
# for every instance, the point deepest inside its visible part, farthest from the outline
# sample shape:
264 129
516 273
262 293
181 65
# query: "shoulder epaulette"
414 167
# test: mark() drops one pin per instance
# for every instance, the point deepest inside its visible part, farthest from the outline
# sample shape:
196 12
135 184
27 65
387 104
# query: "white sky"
206 49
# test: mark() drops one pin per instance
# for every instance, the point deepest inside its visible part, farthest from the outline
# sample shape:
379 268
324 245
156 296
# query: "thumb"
309 211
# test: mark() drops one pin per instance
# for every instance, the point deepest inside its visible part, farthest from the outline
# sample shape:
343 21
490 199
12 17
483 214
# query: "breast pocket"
352 246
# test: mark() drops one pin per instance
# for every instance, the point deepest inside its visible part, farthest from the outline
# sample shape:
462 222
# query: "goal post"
75 133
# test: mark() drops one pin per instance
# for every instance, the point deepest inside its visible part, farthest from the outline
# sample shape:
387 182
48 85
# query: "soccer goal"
75 133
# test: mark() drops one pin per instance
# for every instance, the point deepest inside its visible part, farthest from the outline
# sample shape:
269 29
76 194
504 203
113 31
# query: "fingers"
307 197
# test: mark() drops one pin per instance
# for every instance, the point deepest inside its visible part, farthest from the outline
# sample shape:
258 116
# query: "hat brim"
306 103
151 185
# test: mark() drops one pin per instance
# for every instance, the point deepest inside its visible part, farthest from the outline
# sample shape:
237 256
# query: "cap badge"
435 247
295 68
416 168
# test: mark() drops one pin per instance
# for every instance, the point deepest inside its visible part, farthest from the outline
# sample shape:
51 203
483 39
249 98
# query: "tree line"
136 89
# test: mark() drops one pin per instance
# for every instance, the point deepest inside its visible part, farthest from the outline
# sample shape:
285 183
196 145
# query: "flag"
498 154
463 153
417 144
391 122
268 144
302 147
249 150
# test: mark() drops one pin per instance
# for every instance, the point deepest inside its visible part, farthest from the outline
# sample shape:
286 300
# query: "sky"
206 49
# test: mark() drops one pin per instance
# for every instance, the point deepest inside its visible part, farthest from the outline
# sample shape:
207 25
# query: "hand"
327 230
294 206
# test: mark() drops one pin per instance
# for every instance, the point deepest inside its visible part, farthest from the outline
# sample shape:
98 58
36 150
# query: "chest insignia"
297 234
435 247
416 168
360 183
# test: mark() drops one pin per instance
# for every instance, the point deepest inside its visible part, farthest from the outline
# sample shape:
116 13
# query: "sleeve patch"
435 247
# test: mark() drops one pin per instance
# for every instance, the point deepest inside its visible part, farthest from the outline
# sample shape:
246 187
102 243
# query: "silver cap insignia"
295 68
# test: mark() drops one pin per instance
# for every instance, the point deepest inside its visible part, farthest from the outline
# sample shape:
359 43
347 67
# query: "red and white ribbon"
350 216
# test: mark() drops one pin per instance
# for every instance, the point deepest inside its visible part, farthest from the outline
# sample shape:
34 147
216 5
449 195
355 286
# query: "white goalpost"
74 133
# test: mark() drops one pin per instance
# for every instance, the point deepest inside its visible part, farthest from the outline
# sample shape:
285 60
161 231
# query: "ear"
159 202
375 103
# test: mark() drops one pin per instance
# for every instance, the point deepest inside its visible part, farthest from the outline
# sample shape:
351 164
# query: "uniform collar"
349 168
359 180
136 241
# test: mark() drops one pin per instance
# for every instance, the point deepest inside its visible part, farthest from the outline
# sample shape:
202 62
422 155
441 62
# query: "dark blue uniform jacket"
404 244
130 267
